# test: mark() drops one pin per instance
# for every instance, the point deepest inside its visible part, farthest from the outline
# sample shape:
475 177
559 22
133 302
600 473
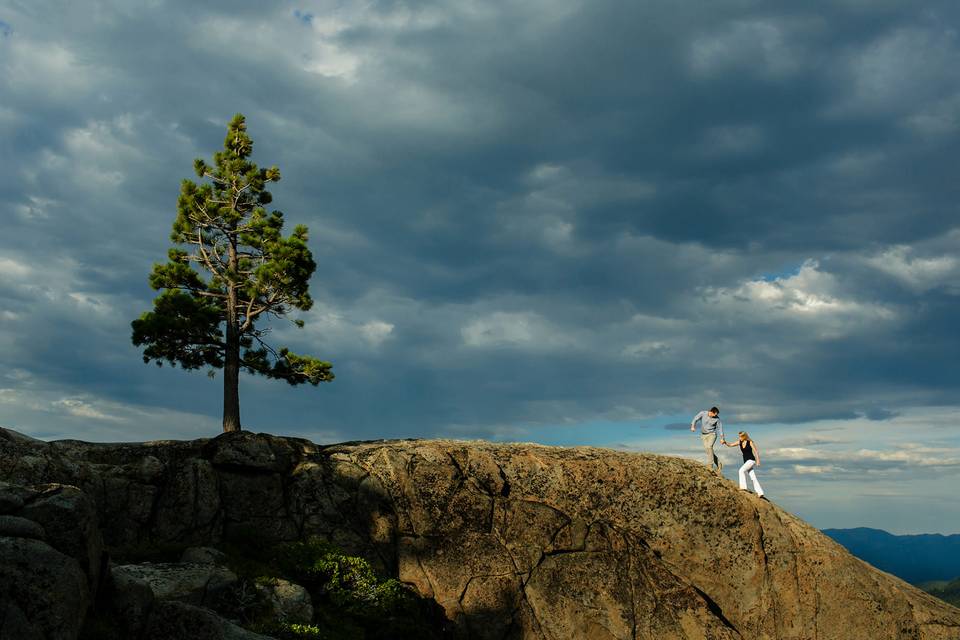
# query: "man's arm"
696 419
720 429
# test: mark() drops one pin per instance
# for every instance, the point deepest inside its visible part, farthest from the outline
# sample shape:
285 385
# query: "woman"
751 459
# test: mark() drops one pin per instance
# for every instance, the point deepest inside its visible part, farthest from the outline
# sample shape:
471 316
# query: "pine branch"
247 318
207 262
200 292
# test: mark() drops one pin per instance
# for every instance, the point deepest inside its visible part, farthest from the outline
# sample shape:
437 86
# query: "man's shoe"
719 467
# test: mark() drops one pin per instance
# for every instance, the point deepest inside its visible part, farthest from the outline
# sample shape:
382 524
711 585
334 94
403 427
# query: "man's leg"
709 439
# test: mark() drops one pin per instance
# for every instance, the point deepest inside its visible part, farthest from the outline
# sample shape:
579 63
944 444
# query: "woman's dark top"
747 451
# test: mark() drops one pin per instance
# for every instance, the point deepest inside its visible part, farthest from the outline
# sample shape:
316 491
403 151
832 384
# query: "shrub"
350 601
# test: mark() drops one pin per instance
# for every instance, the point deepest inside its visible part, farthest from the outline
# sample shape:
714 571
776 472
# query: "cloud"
732 140
13 269
84 409
810 460
515 227
902 68
512 329
376 331
805 469
918 273
879 413
746 45
810 296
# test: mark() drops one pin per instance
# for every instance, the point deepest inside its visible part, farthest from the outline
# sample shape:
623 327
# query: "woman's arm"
730 444
756 452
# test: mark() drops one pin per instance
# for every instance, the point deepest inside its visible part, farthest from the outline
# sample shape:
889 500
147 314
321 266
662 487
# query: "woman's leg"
747 466
756 483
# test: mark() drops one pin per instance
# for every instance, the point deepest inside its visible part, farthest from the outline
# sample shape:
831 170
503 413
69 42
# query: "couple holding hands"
710 428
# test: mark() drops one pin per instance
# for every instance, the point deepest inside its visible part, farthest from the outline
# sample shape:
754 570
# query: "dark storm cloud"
524 213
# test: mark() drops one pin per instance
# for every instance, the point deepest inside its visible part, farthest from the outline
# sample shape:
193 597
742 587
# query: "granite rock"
512 540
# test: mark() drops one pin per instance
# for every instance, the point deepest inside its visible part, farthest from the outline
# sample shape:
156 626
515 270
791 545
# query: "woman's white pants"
746 469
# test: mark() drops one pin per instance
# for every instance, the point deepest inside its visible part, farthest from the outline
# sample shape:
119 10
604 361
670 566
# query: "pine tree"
252 272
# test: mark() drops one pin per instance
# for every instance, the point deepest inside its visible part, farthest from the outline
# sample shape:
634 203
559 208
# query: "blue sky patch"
303 16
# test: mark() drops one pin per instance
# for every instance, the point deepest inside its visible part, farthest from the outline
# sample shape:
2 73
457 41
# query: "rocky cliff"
512 541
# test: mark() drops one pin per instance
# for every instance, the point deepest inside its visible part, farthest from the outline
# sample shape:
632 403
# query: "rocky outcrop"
50 560
513 541
43 593
51 566
69 521
198 584
175 620
130 603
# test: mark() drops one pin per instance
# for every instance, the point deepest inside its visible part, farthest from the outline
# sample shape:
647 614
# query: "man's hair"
714 410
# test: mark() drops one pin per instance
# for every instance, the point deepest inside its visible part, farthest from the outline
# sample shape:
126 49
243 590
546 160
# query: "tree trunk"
231 360
231 379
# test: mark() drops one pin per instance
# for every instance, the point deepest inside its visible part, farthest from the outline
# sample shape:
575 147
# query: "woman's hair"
744 435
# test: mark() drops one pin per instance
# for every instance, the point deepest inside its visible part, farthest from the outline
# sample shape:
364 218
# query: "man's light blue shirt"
708 424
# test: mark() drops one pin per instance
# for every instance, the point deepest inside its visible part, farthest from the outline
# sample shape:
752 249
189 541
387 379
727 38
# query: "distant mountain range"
917 559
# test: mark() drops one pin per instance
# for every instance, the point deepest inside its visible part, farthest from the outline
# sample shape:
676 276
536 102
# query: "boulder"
203 555
174 620
17 527
14 624
289 601
43 593
187 582
69 519
11 500
188 508
251 452
131 602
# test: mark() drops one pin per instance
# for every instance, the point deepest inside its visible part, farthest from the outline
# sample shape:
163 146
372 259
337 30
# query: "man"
710 427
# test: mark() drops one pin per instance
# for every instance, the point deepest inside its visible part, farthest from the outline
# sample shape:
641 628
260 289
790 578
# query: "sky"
564 222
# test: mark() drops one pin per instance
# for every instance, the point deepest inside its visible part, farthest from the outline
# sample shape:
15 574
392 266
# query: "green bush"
350 601
348 581
285 631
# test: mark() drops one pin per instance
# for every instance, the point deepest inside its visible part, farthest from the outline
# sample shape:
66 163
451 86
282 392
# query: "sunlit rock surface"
513 541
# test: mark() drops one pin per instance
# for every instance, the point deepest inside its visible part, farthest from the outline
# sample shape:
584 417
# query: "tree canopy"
230 270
